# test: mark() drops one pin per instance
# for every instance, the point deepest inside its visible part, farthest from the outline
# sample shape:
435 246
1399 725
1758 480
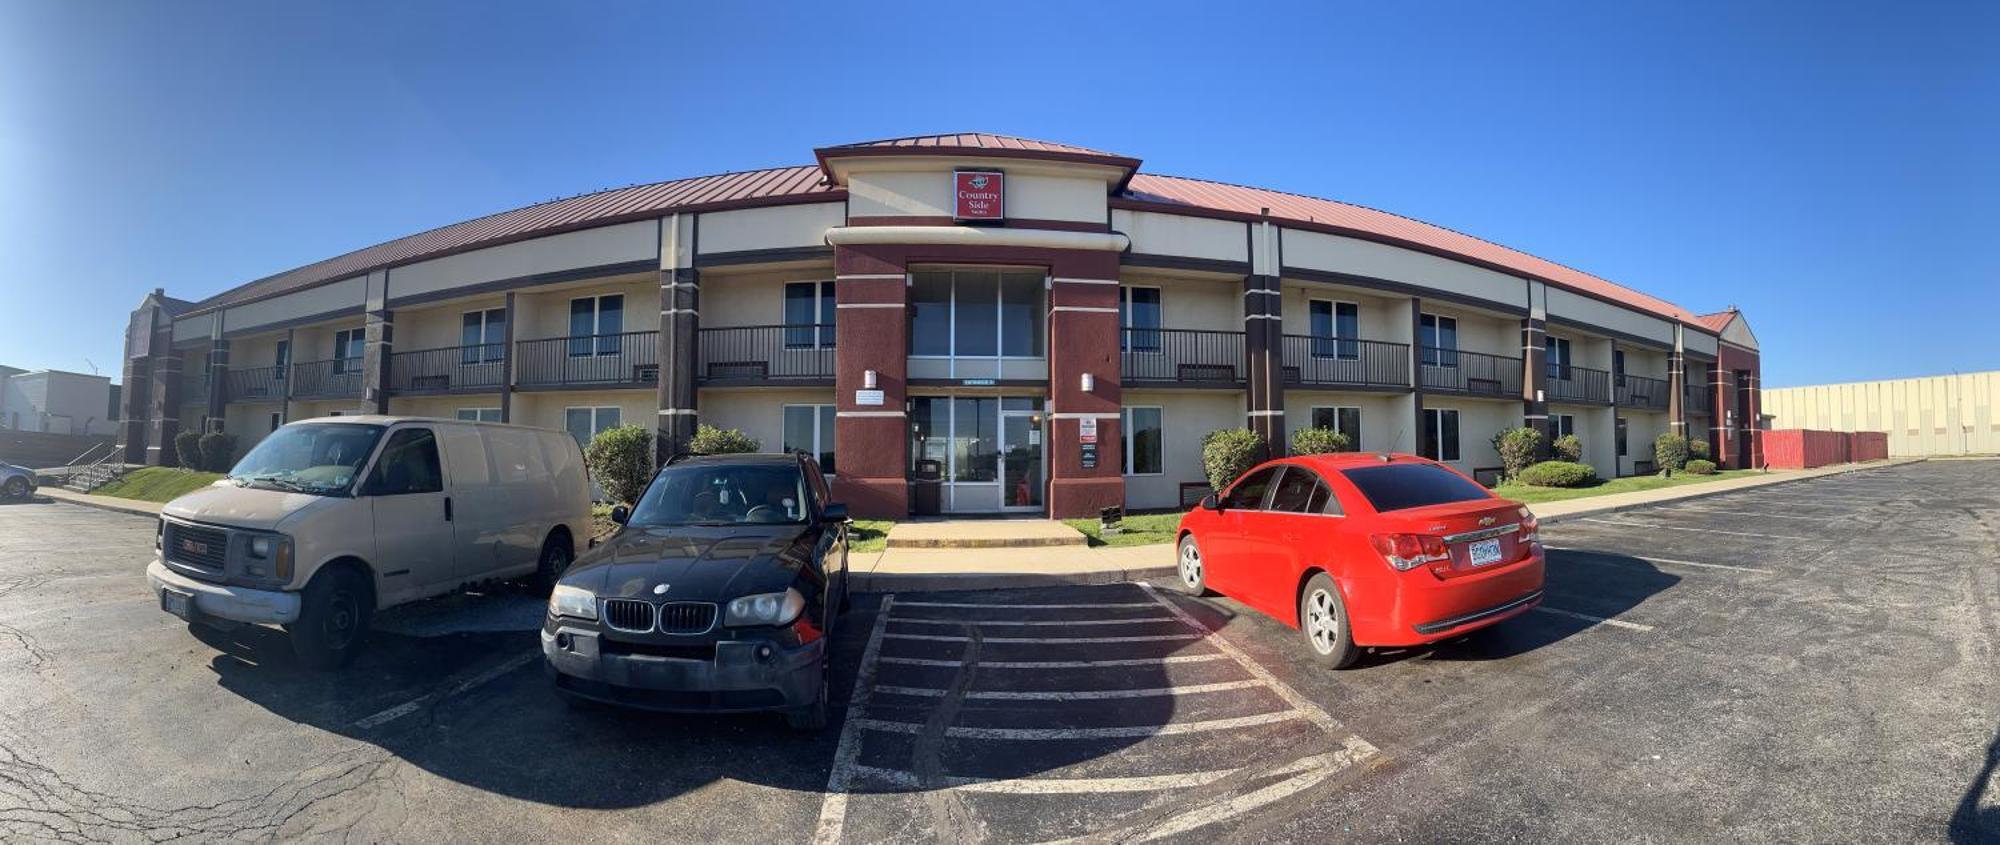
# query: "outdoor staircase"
94 476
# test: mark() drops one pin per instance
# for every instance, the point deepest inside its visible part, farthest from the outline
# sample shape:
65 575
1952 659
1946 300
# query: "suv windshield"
1393 487
724 494
317 458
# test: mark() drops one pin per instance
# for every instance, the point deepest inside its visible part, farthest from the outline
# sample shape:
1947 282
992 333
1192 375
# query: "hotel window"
1142 431
281 361
809 429
482 336
1335 326
586 423
1139 315
1558 358
595 325
1441 434
491 415
1621 437
976 313
1618 367
1561 424
1439 338
347 346
1346 420
809 315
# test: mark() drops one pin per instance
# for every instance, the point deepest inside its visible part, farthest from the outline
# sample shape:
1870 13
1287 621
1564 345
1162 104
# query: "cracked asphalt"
1815 661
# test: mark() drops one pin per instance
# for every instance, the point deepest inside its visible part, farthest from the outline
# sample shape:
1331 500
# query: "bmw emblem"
660 590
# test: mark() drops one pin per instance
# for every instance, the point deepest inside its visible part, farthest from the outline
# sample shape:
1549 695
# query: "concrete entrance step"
982 534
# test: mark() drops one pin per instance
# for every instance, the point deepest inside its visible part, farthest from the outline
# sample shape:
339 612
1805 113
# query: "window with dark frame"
1621 437
596 325
1142 431
482 336
1439 338
347 348
1335 326
1557 349
809 429
1139 318
1341 418
809 314
1441 434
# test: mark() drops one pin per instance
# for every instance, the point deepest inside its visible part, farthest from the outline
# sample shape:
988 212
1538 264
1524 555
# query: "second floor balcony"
453 369
1642 392
1698 400
1181 357
1578 385
1314 361
628 359
337 378
786 354
1470 373
258 384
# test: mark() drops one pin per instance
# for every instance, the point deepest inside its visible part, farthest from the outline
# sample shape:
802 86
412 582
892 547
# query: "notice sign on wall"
978 195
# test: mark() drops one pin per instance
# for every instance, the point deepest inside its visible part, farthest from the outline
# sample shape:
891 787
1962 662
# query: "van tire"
334 613
554 561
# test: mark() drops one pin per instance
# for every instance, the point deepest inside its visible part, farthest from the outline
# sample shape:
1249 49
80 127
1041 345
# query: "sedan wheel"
1194 576
1323 619
16 488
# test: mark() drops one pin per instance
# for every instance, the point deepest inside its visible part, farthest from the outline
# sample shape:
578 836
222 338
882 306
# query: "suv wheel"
334 614
811 717
555 561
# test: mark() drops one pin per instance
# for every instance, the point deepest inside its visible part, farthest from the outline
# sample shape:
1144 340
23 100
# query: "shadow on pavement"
1972 823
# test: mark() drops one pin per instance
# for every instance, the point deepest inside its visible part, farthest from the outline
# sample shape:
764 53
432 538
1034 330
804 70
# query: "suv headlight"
765 609
270 557
573 602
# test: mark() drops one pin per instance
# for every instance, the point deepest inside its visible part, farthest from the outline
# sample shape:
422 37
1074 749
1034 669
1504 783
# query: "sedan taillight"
1409 551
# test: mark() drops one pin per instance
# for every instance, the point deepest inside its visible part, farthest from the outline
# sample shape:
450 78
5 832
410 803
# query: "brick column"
1083 338
1534 380
1416 376
133 408
164 416
1722 411
379 342
679 347
1753 396
1263 350
218 380
1676 385
871 332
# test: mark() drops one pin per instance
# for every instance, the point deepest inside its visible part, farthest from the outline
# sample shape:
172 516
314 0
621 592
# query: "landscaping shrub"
218 451
1700 467
1229 452
1568 448
1517 449
621 459
1698 449
187 450
1319 441
1670 451
1558 474
709 440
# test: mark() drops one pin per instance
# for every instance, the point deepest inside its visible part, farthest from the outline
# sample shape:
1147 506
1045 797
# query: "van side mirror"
833 512
620 513
1210 503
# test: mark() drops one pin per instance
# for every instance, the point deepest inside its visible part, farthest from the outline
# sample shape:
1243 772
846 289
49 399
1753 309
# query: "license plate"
177 603
1484 552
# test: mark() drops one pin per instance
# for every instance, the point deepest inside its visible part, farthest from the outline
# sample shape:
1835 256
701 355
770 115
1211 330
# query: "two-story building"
1040 327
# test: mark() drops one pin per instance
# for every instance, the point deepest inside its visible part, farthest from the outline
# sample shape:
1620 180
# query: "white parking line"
408 707
1038 623
1149 638
1060 786
833 808
1662 560
1058 664
1077 695
1119 732
1086 605
1687 528
1240 804
1620 623
1686 509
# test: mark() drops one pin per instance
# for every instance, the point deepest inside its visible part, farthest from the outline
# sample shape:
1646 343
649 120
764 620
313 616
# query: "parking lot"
1813 661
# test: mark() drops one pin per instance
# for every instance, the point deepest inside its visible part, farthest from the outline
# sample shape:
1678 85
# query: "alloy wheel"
1190 564
1322 621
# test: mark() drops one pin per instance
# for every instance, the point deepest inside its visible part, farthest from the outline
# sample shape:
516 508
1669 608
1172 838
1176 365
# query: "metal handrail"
1642 392
1181 356
1315 360
626 358
1473 373
796 352
1571 383
475 367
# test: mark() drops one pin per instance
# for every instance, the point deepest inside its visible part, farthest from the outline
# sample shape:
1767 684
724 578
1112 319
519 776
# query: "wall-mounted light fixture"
1538 395
868 379
1089 382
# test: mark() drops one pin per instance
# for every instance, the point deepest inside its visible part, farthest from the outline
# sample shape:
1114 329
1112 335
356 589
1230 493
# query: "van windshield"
723 494
317 458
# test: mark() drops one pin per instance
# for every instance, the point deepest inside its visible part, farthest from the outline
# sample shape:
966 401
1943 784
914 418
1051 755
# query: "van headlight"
270 557
573 602
765 609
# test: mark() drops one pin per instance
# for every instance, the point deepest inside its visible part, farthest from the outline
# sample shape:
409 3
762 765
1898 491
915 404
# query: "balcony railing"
262 384
1345 362
1650 394
754 354
452 369
335 379
1472 373
1181 356
631 359
1698 399
1578 384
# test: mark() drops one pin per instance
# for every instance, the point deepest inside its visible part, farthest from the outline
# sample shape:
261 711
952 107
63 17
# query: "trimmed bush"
1700 467
1230 452
709 440
218 451
1670 451
621 459
1558 474
1517 449
1568 448
187 450
1319 441
1698 449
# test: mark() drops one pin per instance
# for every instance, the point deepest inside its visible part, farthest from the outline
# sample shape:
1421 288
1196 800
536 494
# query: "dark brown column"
164 415
1676 385
133 409
218 381
1083 338
508 363
1263 345
1534 380
1721 394
379 339
680 339
285 390
871 333
1752 391
1416 375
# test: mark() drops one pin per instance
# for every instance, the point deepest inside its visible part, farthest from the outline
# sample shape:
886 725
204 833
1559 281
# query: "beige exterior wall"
1695 341
751 299
315 342
1479 331
1385 318
1386 418
198 327
1596 312
1640 429
1478 421
775 227
443 407
347 294
1179 235
757 412
1339 254
547 409
1193 302
623 242
922 187
1644 361
326 408
436 326
1186 416
543 312
1935 415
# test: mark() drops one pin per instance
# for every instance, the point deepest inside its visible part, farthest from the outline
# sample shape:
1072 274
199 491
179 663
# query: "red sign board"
978 195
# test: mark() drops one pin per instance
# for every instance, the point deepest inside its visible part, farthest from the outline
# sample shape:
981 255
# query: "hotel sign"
978 195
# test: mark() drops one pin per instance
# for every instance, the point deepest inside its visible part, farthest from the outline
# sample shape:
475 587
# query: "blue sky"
1827 167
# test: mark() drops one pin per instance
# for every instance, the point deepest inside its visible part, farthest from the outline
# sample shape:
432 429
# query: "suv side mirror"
1210 503
833 512
620 513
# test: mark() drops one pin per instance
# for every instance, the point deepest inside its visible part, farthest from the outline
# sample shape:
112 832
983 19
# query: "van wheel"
555 561
334 614
811 717
1323 619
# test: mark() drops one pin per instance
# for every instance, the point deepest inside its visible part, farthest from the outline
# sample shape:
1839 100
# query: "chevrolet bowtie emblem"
1485 521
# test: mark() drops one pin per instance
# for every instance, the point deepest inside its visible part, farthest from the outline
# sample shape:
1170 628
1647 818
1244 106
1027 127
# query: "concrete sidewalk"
1552 512
109 503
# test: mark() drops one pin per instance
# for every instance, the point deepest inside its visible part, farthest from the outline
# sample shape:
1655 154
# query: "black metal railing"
1181 356
450 369
1474 373
262 384
1698 399
1570 383
610 360
1642 392
799 352
339 378
1345 362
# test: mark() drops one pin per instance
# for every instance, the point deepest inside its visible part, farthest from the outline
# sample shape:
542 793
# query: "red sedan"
1364 550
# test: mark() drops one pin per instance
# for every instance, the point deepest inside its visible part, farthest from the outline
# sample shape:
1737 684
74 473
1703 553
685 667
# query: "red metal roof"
975 144
1717 321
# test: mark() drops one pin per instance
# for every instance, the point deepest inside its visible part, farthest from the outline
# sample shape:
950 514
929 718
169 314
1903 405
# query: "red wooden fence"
1799 448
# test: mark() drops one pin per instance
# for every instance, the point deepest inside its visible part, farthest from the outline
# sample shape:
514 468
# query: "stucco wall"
1935 415
759 413
1185 417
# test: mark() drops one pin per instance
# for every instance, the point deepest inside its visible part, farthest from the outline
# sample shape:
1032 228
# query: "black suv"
717 594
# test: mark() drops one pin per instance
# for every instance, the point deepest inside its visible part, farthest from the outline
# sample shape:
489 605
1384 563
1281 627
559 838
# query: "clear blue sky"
1830 168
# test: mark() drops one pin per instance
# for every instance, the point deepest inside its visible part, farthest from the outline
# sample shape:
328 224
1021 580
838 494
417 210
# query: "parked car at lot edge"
719 593
17 482
1360 550
329 520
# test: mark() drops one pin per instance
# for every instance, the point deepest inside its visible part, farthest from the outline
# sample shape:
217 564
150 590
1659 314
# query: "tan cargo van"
328 520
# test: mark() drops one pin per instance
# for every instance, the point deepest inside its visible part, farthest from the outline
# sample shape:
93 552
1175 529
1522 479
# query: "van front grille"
195 545
630 615
686 617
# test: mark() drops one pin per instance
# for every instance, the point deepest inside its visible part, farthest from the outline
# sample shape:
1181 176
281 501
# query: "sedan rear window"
1394 487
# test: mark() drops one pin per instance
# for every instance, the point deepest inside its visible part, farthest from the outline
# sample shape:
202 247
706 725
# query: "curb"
113 506
1703 494
989 543
924 582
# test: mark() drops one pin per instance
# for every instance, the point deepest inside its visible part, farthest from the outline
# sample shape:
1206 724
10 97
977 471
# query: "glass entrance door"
987 450
1021 454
